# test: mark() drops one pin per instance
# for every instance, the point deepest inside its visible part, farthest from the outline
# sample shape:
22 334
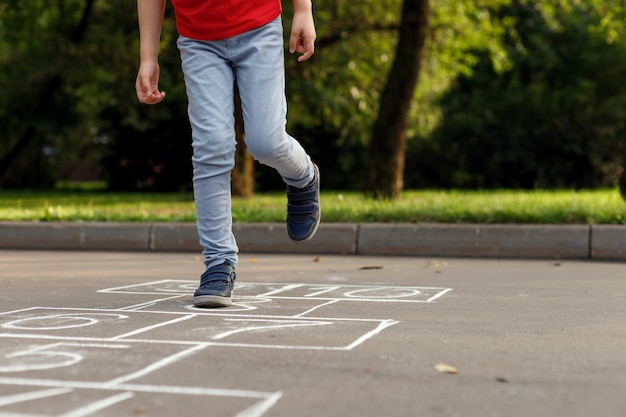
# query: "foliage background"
513 93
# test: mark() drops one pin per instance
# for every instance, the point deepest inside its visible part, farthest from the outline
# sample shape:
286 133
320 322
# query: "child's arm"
303 35
150 14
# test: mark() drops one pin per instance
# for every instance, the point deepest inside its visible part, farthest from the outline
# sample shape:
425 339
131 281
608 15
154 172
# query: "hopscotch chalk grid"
38 340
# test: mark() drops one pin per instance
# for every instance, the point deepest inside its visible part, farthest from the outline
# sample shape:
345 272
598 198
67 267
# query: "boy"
222 42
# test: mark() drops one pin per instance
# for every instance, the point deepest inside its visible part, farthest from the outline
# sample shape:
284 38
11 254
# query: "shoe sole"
212 301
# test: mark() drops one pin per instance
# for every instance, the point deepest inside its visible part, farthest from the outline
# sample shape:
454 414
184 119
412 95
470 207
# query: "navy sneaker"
303 209
216 287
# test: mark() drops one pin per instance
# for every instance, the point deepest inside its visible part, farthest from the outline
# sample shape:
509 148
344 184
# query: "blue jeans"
255 60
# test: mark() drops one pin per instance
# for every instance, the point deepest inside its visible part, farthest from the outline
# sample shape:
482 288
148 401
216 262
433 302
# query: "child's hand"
303 35
147 84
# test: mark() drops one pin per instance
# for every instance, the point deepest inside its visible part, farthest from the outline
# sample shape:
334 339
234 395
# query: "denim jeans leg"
209 82
258 57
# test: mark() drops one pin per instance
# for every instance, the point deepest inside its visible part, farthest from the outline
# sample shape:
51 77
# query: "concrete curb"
476 240
600 242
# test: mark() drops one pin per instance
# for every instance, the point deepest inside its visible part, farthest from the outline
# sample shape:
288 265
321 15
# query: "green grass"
500 206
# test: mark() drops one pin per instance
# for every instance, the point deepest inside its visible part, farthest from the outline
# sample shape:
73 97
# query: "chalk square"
327 292
81 324
66 360
272 332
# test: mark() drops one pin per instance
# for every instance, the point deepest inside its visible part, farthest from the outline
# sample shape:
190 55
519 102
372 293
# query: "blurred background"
508 94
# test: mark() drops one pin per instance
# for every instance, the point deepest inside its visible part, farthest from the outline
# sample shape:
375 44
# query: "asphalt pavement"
113 333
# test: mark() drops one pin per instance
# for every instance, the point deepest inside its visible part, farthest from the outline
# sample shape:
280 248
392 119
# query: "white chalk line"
18 311
4 414
208 312
48 351
239 304
88 310
369 300
86 319
68 359
278 347
154 326
284 288
275 317
440 294
282 324
157 365
260 408
149 303
99 405
96 345
219 344
34 395
324 290
54 337
143 284
257 409
282 285
382 326
288 287
191 343
281 321
62 387
304 313
32 349
144 388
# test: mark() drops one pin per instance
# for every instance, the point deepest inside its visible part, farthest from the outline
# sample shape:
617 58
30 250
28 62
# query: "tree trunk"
243 174
388 142
622 184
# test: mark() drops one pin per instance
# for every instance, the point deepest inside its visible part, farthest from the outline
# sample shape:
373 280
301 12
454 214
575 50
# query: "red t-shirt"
220 19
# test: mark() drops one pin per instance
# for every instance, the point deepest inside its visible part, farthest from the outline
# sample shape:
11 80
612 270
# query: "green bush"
556 118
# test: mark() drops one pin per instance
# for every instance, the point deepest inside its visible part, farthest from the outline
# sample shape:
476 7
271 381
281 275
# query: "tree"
94 115
38 115
334 97
554 118
485 82
143 147
388 141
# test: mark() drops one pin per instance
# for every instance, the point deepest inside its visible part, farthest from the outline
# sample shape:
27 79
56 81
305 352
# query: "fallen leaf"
446 369
316 259
371 267
501 379
253 260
